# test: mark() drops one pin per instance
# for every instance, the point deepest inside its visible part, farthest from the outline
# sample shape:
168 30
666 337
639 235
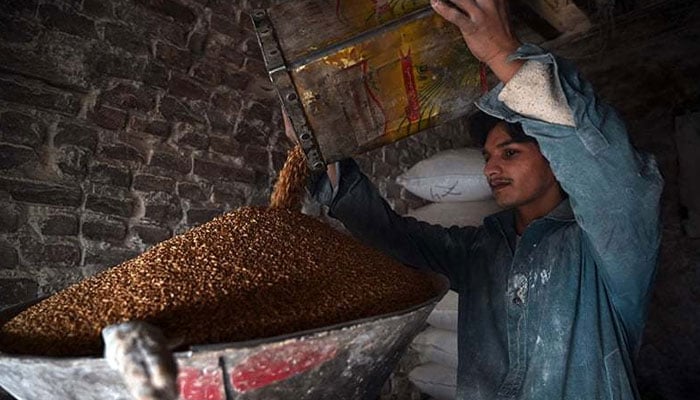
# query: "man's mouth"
498 184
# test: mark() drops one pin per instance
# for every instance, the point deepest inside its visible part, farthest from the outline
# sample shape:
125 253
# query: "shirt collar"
562 212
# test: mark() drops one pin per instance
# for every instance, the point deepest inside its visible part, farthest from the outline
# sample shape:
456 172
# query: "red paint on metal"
279 363
409 81
200 384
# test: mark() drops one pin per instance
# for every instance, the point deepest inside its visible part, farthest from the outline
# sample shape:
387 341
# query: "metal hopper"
346 361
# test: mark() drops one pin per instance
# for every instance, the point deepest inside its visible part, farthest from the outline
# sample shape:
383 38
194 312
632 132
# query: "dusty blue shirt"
558 314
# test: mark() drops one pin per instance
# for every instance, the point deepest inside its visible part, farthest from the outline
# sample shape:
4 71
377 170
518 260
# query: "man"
553 291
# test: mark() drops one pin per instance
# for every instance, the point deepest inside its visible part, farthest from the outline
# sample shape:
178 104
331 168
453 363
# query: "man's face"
517 172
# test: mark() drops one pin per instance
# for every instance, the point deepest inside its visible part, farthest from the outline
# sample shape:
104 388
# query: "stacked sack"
453 180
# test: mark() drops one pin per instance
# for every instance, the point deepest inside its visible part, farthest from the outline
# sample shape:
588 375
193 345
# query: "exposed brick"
234 194
257 157
220 120
196 216
162 207
10 217
127 97
278 160
12 156
222 7
190 191
15 291
181 86
104 229
101 257
152 234
76 135
108 117
157 128
259 112
119 66
9 257
19 7
122 207
228 102
223 144
212 170
197 140
98 8
153 183
251 134
226 25
208 73
122 152
40 97
59 225
54 17
198 43
170 8
21 128
174 33
156 75
236 80
17 29
73 161
110 174
42 192
175 110
124 36
173 56
62 253
223 48
171 161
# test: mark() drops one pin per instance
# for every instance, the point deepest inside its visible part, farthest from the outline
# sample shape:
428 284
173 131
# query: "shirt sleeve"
370 219
614 190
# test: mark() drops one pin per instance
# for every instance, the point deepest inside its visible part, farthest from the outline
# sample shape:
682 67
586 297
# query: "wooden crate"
354 75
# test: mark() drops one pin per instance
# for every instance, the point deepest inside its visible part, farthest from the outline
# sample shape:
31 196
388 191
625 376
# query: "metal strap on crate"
282 80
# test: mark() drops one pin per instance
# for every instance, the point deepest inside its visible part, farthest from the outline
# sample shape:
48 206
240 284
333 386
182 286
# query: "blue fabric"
558 314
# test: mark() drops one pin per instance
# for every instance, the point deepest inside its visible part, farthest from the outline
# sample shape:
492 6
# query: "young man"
553 291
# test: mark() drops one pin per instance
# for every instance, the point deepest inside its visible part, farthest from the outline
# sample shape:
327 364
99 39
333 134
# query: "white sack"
437 346
448 176
469 213
435 380
444 315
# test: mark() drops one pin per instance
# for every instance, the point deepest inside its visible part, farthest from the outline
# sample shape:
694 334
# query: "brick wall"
121 124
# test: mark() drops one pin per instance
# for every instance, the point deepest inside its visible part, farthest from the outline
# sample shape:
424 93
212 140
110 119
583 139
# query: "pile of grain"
251 273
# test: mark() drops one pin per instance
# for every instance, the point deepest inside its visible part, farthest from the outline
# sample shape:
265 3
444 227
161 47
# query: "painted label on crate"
200 384
278 363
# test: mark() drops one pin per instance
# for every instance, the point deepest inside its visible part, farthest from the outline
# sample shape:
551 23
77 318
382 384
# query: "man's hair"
481 124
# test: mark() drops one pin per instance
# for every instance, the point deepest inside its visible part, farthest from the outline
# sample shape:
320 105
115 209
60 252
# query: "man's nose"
492 167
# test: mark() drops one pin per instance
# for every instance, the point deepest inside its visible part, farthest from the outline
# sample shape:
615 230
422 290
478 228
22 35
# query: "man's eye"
508 153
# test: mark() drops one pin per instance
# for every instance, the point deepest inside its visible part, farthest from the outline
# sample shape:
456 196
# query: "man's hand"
486 30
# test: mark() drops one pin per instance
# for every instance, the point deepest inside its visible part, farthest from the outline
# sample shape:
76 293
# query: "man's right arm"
359 206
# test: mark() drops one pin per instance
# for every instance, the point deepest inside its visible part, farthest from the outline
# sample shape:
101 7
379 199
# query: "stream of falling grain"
289 189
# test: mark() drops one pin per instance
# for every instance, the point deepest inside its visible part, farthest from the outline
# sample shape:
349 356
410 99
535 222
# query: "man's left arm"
614 190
